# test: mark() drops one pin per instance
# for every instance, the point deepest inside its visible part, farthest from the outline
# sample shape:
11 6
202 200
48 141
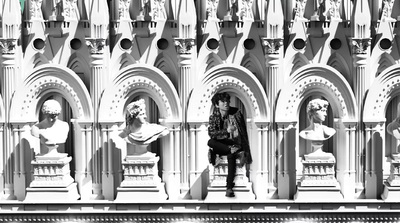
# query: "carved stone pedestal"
391 190
217 188
51 179
318 181
141 180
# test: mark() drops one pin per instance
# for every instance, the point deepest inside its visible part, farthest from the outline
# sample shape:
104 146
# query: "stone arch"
385 87
139 78
166 64
51 78
329 82
210 61
228 77
383 62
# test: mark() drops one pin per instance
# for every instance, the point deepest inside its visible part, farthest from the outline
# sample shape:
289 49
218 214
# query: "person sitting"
228 136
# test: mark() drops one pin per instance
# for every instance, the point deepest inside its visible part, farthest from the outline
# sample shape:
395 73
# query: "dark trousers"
222 148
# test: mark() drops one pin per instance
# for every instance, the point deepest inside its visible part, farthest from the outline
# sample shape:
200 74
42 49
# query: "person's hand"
231 128
234 149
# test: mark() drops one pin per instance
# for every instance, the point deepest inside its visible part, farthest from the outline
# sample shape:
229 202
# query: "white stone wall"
97 56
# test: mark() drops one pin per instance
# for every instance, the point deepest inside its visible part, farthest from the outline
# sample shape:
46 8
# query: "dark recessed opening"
212 44
299 44
385 44
126 44
336 44
162 44
75 44
249 44
38 44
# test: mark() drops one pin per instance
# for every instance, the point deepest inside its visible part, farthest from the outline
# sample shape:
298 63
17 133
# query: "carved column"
7 47
19 160
264 156
346 158
83 131
184 49
360 55
96 48
272 52
108 172
374 153
171 160
286 171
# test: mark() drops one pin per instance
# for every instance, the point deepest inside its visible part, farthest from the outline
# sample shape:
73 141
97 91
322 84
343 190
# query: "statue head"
51 109
316 110
135 110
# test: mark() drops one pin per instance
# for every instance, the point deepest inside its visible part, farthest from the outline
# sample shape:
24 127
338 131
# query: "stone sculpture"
51 131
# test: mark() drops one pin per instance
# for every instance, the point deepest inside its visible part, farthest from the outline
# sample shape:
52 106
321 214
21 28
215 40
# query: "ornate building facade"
272 56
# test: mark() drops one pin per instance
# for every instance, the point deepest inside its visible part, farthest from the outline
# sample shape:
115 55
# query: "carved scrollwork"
272 45
360 46
7 46
96 46
184 46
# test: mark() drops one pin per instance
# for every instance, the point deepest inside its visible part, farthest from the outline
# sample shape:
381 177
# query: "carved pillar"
286 171
108 172
171 160
7 47
184 49
83 131
346 158
20 176
373 159
264 158
360 55
96 47
272 52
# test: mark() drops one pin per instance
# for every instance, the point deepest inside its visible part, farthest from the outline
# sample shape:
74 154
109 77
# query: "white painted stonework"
272 57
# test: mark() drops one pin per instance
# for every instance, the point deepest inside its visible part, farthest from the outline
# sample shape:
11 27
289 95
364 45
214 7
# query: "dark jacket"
217 130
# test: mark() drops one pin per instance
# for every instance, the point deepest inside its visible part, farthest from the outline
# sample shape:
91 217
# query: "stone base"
390 193
58 194
318 194
242 193
133 194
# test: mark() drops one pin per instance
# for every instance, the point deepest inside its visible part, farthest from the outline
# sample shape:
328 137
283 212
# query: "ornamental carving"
272 46
7 46
360 46
96 46
184 46
212 6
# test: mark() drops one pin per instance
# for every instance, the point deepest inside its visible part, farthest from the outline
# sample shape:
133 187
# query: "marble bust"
394 127
138 132
316 132
51 131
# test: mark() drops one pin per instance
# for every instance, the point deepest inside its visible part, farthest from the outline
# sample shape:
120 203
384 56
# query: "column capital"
7 46
271 45
360 45
184 45
96 45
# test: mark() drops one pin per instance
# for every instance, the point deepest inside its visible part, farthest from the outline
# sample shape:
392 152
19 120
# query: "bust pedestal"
51 178
318 181
217 188
141 180
391 191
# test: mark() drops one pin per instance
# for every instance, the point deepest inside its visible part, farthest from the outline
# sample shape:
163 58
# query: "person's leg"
221 147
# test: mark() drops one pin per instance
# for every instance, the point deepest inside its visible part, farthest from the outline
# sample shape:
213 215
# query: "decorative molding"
7 46
96 46
184 46
272 45
360 45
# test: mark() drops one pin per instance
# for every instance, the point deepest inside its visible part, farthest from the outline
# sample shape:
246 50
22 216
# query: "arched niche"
233 78
134 79
50 78
309 82
314 80
385 87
